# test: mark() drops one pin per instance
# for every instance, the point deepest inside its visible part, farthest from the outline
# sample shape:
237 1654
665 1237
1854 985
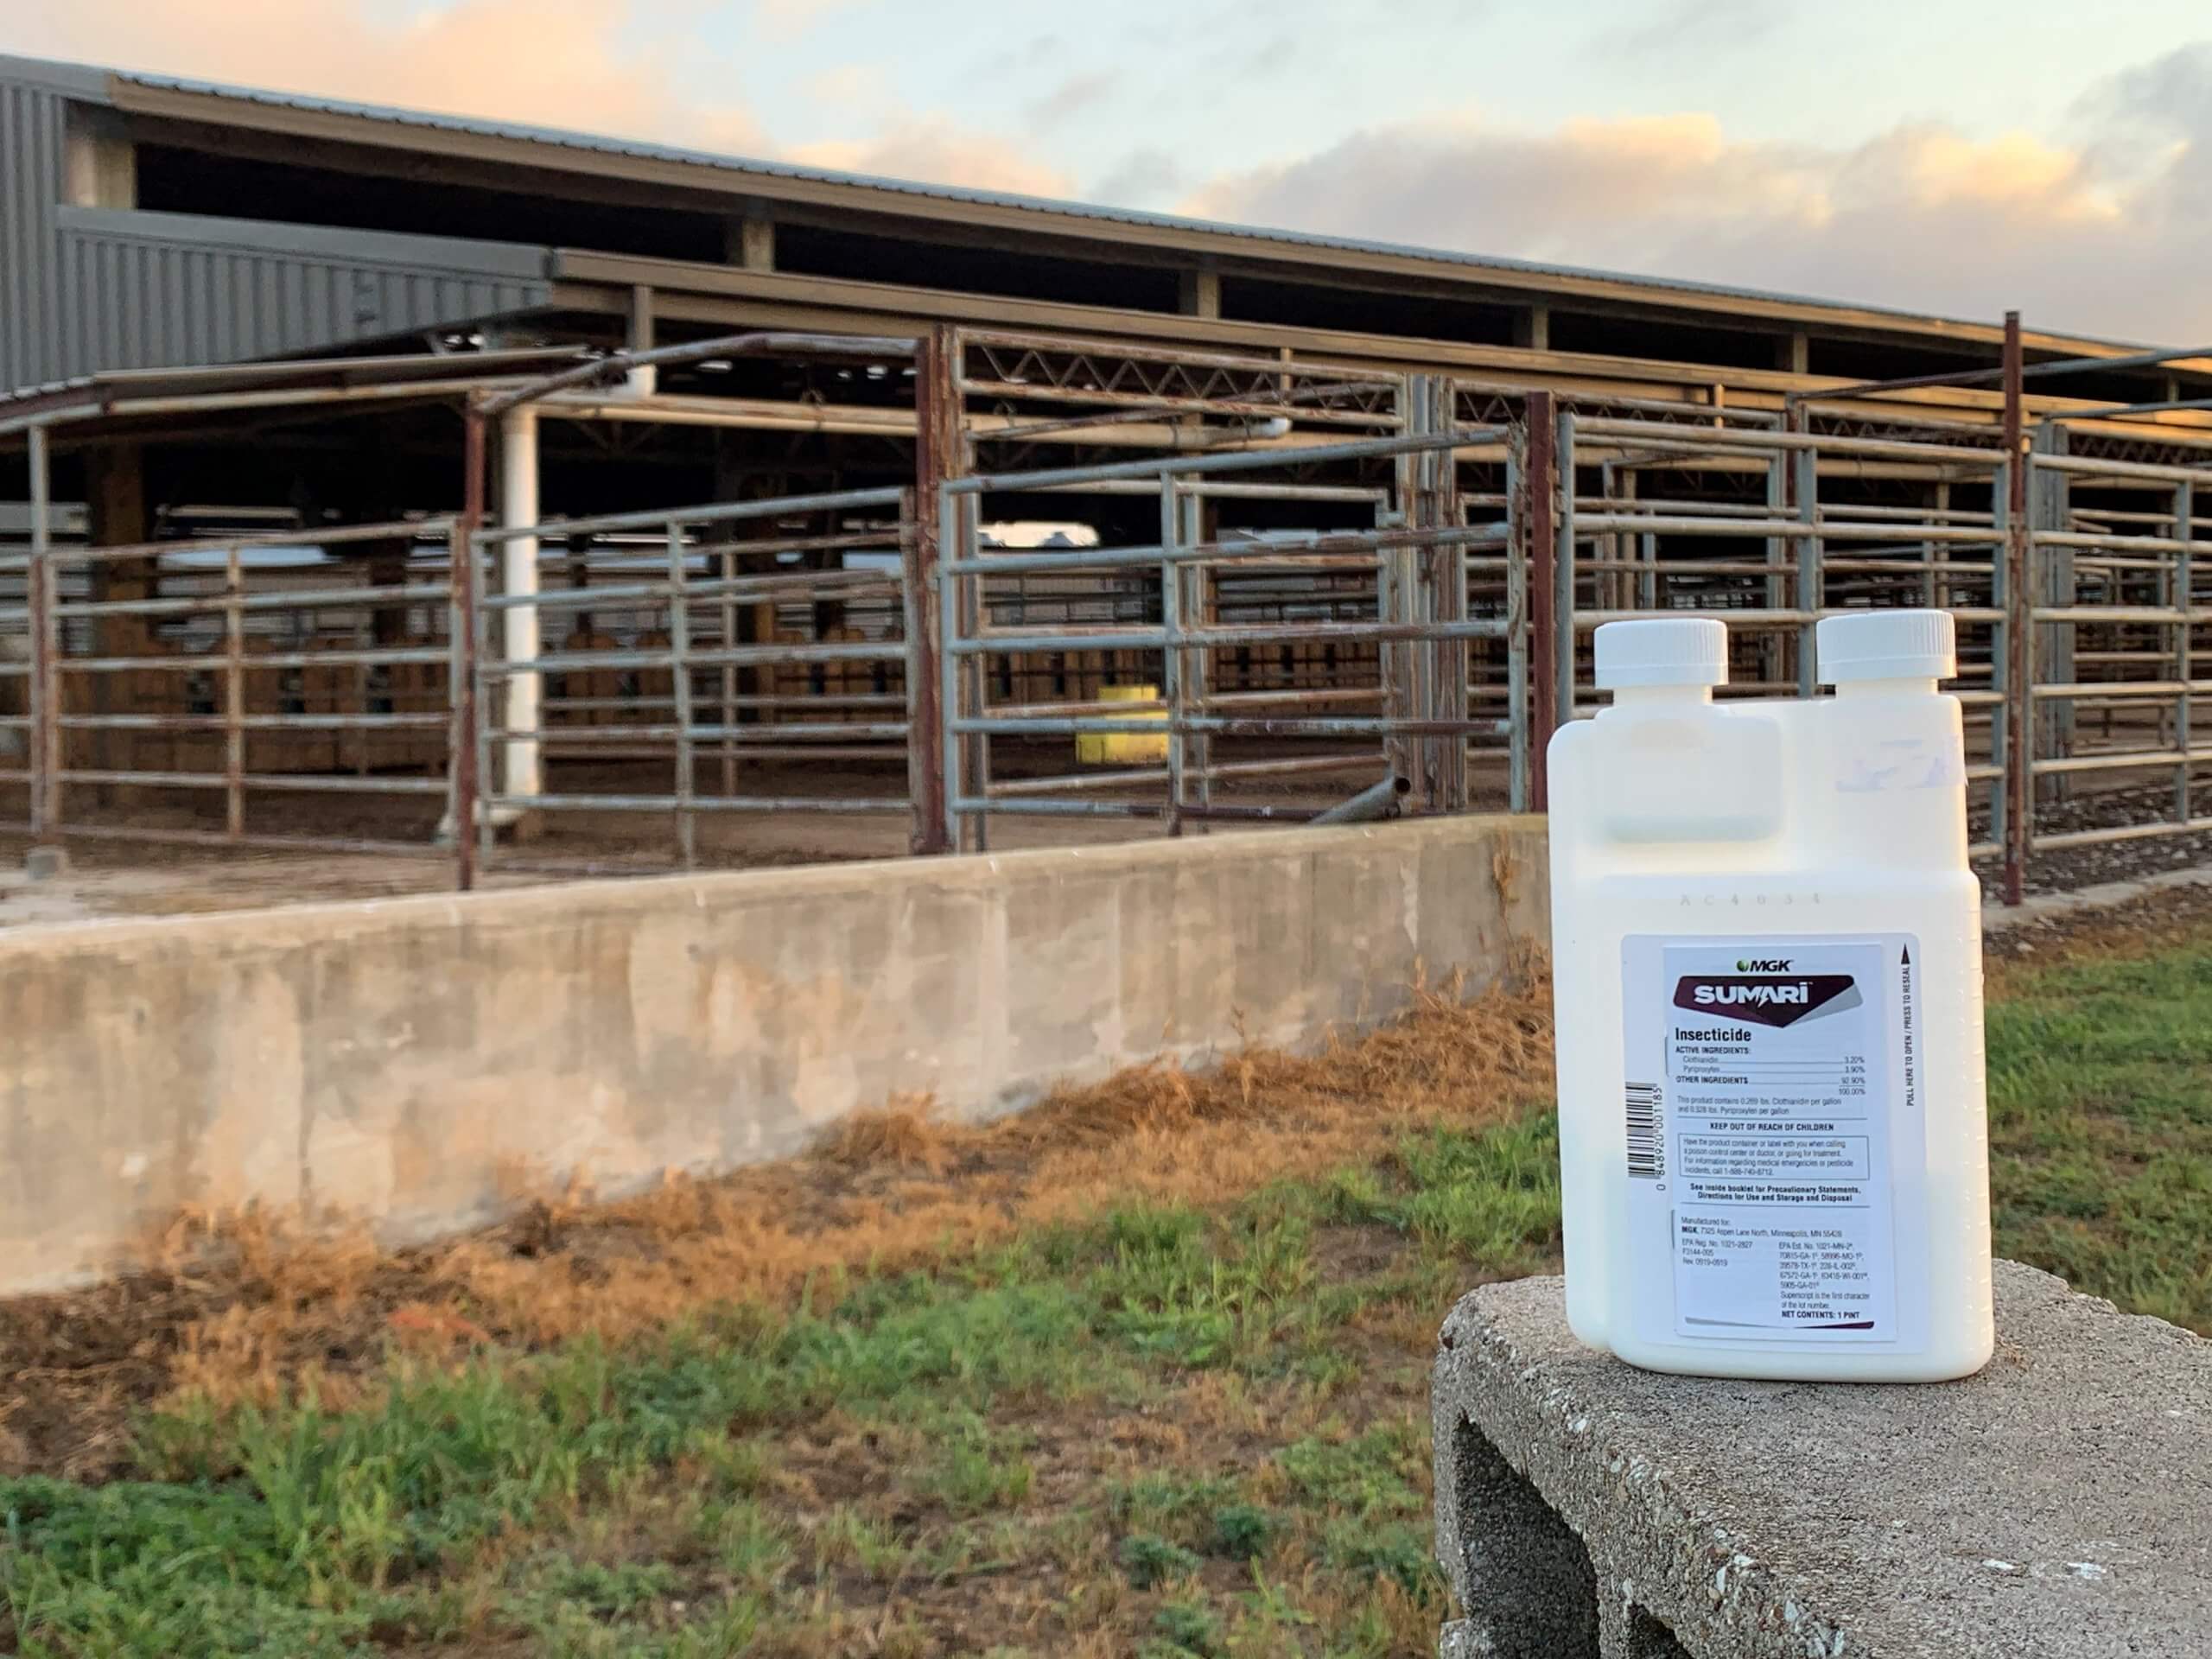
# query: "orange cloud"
1921 216
548 62
926 147
582 64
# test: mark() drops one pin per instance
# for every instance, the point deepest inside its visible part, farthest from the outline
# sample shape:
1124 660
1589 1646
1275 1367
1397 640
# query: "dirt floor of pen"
1140 1371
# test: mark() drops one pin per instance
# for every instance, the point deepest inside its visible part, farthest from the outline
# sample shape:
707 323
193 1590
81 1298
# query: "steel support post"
1536 552
461 755
45 691
466 624
1171 623
2020 630
1516 621
1778 490
1803 491
679 651
2184 648
1200 520
940 453
1434 505
234 694
1563 558
2051 507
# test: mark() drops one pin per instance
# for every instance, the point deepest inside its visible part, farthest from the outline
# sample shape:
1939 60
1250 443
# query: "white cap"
1665 651
1885 645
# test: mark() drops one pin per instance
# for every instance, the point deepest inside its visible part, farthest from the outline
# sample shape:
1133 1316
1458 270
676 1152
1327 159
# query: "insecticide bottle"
1767 956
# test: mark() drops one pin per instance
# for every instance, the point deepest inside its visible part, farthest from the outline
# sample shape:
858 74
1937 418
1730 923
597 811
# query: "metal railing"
2116 611
1416 605
280 671
694 586
1631 549
1411 567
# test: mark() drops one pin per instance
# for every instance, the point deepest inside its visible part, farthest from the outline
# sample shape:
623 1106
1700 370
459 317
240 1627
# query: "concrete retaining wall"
410 1061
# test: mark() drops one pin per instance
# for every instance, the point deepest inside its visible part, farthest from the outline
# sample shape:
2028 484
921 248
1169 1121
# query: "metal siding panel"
192 308
269 302
176 342
14 229
38 169
138 299
130 311
244 293
40 135
210 280
291 325
105 306
153 287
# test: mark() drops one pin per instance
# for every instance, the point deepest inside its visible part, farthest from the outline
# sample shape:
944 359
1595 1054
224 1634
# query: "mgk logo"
1764 965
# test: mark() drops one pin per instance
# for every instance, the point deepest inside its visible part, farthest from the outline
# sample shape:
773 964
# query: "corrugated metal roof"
554 137
121 387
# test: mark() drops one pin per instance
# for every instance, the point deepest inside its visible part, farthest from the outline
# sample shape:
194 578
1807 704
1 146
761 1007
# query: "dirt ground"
126 877
242 1307
130 877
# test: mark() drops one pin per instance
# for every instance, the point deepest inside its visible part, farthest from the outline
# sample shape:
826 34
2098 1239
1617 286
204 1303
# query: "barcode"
1647 1144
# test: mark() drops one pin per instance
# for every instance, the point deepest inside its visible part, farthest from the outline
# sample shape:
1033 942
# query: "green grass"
1163 1431
2101 1127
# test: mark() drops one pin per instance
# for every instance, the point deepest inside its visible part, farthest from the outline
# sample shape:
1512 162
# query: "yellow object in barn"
1124 748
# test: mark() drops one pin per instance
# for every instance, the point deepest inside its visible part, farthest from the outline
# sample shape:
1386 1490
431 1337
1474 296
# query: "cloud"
1146 177
601 66
932 148
1070 97
849 85
557 63
787 20
2107 234
1701 28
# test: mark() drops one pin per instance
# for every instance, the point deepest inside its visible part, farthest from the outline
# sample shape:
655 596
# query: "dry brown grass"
243 1308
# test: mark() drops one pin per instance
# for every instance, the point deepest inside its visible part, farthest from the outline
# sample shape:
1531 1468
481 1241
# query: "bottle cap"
1885 645
1664 650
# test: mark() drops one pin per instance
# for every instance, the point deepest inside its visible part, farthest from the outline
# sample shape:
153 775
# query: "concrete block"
409 1062
45 863
2057 1505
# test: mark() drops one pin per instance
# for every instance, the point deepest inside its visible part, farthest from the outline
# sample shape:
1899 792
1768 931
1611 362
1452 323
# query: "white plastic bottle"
1767 964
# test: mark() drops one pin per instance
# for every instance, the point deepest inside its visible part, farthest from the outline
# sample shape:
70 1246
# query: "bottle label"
1776 1154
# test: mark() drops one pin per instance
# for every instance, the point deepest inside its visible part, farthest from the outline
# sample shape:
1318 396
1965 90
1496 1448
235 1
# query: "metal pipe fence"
2119 615
710 679
267 668
1656 538
1392 634
1426 617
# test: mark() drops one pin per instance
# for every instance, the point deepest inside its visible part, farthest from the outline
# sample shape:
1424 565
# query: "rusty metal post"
1457 656
467 738
1800 497
2020 630
679 651
234 694
1439 593
727 572
1171 658
1538 554
45 690
938 455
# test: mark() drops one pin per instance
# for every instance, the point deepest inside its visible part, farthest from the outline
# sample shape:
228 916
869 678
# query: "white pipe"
518 638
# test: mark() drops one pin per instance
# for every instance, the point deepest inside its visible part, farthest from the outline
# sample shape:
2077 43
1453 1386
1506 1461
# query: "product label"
1774 1142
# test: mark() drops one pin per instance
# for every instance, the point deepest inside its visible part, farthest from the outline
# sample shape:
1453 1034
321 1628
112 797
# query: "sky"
1956 157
